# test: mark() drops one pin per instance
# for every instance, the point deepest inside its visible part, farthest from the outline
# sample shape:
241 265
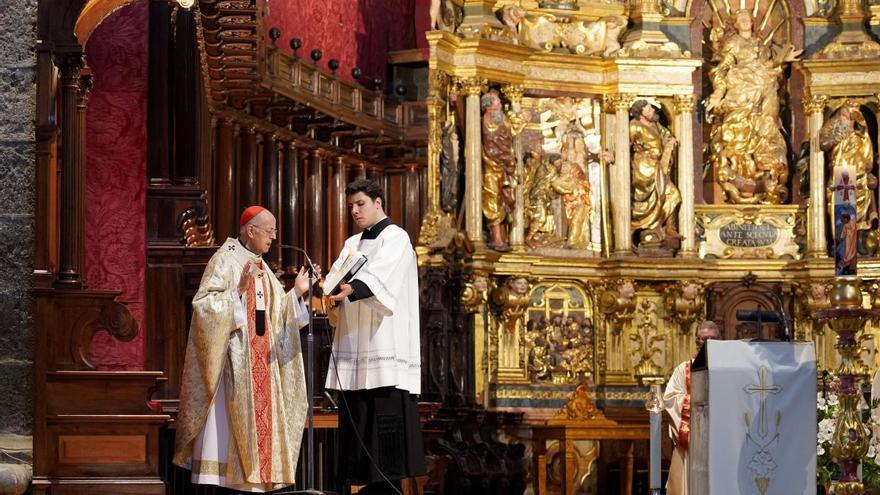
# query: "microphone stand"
310 386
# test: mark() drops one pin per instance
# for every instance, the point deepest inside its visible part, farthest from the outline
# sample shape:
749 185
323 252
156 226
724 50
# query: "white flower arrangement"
827 407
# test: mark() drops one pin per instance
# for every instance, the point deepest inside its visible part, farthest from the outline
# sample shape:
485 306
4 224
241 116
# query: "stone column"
684 130
620 176
473 160
814 107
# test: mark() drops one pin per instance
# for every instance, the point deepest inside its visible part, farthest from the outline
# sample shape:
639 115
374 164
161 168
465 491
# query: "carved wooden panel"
93 430
102 449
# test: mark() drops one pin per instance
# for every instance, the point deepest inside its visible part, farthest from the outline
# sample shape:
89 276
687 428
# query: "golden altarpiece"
608 174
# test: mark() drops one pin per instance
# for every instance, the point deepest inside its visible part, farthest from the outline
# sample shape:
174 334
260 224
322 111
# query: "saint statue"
575 185
747 149
845 137
542 188
499 166
655 198
450 170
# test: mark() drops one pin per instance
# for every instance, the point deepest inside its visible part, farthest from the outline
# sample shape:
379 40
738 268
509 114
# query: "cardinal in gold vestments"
243 394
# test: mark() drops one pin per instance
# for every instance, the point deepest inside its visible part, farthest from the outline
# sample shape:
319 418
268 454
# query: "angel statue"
747 148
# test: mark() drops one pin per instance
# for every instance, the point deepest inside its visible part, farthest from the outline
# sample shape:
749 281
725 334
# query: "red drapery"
116 165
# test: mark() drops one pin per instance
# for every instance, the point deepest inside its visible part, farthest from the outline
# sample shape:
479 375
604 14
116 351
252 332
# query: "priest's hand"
344 291
250 270
301 282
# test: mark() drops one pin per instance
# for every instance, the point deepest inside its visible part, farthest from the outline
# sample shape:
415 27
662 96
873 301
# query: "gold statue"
498 169
845 136
655 198
543 186
747 149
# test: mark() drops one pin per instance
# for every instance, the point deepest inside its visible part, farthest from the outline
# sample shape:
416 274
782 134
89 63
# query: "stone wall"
17 115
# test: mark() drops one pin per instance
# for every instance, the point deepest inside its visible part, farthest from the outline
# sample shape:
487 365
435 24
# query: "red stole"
260 376
684 427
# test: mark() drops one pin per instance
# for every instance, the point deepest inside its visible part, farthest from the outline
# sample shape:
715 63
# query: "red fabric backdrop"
116 166
359 33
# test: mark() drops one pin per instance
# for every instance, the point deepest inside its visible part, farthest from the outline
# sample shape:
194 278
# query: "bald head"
257 235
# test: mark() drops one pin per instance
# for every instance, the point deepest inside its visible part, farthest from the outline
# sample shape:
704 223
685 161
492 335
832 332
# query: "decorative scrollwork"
684 302
194 227
617 302
580 406
511 300
113 317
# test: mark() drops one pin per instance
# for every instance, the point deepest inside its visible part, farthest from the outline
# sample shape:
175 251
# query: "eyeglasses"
271 231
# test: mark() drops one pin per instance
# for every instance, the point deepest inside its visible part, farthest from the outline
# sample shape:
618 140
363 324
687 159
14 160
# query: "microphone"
786 330
305 254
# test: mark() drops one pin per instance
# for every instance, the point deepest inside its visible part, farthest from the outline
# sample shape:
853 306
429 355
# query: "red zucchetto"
249 213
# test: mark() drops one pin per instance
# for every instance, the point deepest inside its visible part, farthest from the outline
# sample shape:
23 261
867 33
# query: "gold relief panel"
559 334
647 337
737 231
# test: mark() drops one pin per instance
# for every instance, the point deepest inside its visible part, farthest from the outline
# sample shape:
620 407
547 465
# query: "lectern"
753 419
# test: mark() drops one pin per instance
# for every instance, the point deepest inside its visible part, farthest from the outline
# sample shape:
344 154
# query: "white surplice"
376 343
673 399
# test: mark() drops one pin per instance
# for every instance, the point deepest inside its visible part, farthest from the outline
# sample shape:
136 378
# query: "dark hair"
636 111
368 187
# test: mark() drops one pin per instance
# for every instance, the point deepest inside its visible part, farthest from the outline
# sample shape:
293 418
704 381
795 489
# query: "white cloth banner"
755 417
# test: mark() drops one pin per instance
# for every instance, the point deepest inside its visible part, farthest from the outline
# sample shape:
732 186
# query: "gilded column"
473 162
514 93
684 127
814 106
620 176
439 83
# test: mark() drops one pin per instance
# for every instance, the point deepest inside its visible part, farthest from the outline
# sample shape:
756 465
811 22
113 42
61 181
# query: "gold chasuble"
243 393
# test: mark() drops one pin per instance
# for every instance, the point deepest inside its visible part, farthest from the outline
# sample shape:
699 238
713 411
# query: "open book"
352 261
